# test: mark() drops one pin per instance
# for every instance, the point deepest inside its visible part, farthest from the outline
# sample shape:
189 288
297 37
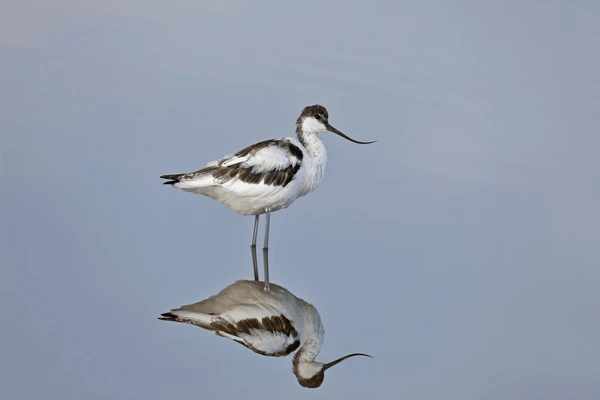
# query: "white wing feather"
266 159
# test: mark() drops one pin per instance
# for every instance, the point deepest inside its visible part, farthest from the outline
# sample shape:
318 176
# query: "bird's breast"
314 164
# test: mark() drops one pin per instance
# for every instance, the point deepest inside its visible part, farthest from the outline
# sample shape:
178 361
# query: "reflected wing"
272 335
244 312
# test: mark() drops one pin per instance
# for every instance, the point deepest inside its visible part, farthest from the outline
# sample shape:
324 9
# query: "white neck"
308 130
312 143
316 160
309 351
304 364
311 334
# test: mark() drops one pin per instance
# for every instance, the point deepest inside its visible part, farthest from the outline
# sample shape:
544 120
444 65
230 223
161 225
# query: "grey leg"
266 251
253 247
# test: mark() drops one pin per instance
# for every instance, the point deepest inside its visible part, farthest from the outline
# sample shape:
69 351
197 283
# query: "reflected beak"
330 128
339 360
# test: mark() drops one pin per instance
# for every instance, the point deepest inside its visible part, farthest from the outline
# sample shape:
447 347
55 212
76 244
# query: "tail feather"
191 181
171 178
199 319
168 317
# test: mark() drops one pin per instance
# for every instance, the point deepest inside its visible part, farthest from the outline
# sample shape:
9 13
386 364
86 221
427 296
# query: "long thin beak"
339 360
330 128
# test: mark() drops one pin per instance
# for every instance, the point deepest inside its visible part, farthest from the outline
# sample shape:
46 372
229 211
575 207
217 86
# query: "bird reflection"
274 323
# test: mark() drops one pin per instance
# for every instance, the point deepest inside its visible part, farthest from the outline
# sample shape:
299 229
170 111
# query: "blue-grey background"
462 249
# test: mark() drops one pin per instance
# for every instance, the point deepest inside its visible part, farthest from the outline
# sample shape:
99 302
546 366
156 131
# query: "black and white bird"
266 176
274 323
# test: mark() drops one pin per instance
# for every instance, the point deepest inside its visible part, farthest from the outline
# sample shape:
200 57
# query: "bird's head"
311 374
315 120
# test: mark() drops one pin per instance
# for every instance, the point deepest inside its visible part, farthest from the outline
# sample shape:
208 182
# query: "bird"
274 323
267 176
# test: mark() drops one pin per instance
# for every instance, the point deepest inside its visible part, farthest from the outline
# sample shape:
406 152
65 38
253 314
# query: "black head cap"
316 111
313 382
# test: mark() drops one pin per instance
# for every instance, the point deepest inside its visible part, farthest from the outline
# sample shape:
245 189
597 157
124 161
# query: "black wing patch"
276 177
274 324
226 173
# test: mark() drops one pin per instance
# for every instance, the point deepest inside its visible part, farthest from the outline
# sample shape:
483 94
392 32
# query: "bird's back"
245 293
